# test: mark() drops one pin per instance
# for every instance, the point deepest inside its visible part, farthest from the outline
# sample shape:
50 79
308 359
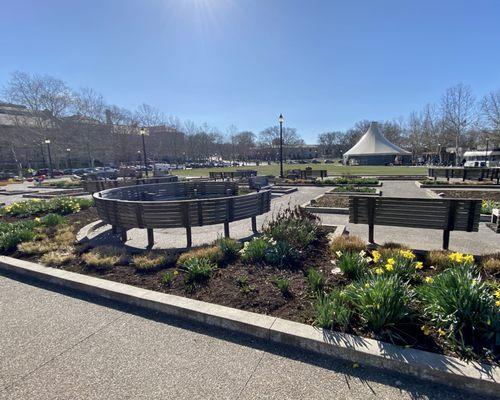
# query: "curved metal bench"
96 186
178 204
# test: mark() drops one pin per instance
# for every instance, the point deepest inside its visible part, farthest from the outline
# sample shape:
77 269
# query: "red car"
46 172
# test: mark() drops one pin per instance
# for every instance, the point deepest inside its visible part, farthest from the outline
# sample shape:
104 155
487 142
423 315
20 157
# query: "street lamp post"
281 120
47 142
68 152
143 133
487 157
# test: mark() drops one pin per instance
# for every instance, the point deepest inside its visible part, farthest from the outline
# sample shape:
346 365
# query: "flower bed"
491 198
443 302
36 207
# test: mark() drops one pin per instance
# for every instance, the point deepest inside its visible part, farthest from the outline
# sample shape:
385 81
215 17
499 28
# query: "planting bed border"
323 210
476 377
377 192
457 186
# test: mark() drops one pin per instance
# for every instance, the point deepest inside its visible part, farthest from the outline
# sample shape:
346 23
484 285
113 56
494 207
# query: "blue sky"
323 64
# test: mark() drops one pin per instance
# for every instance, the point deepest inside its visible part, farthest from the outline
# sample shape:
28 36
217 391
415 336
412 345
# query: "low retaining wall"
450 371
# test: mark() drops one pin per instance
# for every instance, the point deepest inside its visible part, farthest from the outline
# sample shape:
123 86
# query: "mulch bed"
331 201
471 194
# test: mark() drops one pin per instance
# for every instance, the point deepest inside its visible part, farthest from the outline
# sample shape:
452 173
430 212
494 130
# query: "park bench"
443 214
258 182
238 174
465 173
307 173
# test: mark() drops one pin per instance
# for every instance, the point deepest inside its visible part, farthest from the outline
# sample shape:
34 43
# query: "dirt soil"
471 194
332 201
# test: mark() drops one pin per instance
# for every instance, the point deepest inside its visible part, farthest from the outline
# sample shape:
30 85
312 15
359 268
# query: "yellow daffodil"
425 329
497 293
497 303
37 220
407 254
176 272
367 285
375 256
428 279
389 267
419 265
391 261
338 253
456 257
355 365
379 271
469 258
441 332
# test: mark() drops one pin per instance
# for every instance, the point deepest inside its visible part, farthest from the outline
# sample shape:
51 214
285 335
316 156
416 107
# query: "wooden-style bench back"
443 214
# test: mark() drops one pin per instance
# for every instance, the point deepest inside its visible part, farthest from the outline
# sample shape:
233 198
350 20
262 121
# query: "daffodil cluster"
400 262
460 258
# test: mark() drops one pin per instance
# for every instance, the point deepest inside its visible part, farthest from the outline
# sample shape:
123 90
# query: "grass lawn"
333 169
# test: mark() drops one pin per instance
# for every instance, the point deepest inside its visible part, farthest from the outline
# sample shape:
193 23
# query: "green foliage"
53 220
353 265
352 188
11 234
167 278
197 271
282 254
333 310
211 253
34 207
283 284
380 301
344 180
487 206
396 261
244 285
316 280
256 249
294 226
230 248
459 304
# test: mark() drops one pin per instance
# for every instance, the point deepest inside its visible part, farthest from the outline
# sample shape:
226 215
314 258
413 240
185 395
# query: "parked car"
46 172
328 161
316 161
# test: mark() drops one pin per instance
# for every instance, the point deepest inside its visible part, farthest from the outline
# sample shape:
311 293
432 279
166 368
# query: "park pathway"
56 346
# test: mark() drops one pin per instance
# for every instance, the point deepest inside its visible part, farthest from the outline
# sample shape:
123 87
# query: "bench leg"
151 238
114 229
189 237
254 224
226 229
123 233
370 234
446 240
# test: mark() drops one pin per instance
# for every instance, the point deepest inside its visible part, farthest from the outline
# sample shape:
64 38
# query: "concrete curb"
434 367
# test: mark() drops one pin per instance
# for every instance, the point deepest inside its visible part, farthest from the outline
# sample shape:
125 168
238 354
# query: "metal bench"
258 183
443 214
96 186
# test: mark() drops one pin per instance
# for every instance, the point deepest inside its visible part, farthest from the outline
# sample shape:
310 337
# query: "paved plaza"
59 346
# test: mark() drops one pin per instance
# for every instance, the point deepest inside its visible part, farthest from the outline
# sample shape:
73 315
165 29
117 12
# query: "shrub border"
450 371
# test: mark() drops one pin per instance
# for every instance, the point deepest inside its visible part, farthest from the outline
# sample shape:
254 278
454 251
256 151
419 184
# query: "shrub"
344 244
346 180
230 248
281 254
65 235
104 257
297 227
333 310
197 270
380 301
256 249
59 205
148 261
352 264
58 257
487 206
316 281
351 188
53 220
212 253
460 306
283 284
14 233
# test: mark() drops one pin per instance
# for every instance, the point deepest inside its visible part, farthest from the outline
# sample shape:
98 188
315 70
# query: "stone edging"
434 367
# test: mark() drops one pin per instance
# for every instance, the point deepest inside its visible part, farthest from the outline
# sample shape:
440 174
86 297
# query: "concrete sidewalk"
57 346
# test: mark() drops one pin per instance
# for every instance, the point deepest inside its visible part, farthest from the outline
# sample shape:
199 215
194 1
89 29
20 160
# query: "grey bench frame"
238 174
104 184
307 173
443 214
465 173
178 204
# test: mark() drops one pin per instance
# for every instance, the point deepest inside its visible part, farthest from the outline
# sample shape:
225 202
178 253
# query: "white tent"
374 143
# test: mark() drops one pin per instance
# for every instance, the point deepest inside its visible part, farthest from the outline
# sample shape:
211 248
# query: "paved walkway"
482 242
53 346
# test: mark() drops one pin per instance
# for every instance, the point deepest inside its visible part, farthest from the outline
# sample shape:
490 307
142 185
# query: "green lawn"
333 169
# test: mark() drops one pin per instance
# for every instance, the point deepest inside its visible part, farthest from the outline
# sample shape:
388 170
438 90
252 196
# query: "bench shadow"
415 387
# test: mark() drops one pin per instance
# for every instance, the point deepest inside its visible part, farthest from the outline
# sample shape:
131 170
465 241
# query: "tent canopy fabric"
374 143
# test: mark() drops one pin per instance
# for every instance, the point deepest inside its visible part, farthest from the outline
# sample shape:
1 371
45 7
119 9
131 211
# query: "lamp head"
47 141
281 119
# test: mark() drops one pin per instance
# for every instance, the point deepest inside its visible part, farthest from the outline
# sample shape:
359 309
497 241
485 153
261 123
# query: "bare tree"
490 107
458 107
271 136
